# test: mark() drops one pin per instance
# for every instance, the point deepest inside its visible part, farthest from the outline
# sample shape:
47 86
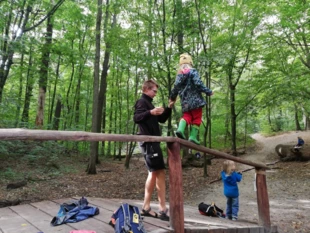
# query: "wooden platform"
36 217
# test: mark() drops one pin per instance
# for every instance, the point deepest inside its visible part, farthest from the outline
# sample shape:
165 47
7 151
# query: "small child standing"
300 143
230 178
189 87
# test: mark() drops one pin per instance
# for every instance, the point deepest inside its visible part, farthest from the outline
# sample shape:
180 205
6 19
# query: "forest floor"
288 182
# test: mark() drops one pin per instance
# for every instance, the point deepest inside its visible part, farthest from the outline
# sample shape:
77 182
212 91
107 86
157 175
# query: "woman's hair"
149 84
227 166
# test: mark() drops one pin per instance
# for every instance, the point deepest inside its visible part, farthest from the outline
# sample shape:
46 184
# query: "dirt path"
288 186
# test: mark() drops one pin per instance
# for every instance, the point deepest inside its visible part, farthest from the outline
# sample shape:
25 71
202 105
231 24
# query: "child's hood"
229 178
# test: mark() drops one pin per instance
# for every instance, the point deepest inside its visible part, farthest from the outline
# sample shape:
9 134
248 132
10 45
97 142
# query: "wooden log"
220 154
5 203
17 185
262 199
175 187
44 135
26 134
289 153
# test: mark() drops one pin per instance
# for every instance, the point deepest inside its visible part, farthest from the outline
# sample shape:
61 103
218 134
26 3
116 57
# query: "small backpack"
127 219
210 210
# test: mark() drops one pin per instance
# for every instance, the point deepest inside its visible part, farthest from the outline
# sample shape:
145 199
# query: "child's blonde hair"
185 58
228 166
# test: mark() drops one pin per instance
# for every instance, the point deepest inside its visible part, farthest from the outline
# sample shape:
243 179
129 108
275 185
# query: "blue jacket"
189 87
74 212
230 184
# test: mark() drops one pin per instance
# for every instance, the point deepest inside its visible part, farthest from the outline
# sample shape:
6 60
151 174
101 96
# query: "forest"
79 65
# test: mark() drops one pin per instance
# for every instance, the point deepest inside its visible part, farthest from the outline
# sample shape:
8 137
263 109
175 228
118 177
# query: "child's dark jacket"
230 184
189 87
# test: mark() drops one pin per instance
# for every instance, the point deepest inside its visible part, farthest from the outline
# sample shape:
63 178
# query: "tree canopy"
79 65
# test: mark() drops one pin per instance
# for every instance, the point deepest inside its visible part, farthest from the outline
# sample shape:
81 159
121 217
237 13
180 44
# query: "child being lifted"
189 87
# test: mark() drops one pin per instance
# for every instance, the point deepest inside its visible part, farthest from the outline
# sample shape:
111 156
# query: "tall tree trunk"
6 50
44 74
180 23
57 114
68 118
149 40
167 58
207 67
28 91
88 99
77 102
91 169
130 145
298 128
109 150
20 91
307 122
54 92
233 120
102 105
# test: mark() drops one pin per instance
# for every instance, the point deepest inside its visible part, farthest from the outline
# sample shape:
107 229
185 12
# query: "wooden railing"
174 159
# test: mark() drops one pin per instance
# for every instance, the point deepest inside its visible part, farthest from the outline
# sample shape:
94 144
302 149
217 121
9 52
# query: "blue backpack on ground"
127 219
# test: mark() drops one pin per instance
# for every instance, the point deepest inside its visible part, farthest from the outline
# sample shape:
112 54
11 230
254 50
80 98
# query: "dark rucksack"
127 219
210 210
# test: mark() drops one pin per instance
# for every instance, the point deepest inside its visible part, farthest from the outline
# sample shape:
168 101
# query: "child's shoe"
181 128
194 134
234 218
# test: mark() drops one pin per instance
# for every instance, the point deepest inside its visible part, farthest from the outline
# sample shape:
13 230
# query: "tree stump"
289 153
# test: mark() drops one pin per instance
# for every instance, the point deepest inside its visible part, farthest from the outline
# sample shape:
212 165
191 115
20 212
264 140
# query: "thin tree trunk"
149 40
7 51
233 121
28 92
67 122
91 169
20 91
298 128
44 74
57 114
307 122
110 122
54 92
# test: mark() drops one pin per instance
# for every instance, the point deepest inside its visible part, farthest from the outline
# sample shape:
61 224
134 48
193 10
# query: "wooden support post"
175 187
262 199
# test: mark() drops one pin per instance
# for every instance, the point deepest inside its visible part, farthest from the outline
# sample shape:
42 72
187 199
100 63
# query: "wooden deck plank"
115 203
12 222
108 206
93 223
36 217
151 224
39 219
192 215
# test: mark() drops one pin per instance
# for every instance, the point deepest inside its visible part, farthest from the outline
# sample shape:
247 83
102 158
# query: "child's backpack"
210 210
127 219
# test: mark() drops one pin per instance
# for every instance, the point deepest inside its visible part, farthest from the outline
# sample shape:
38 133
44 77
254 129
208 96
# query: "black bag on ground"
210 210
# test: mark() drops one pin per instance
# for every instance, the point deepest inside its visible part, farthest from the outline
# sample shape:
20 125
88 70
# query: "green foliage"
254 51
9 174
37 160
